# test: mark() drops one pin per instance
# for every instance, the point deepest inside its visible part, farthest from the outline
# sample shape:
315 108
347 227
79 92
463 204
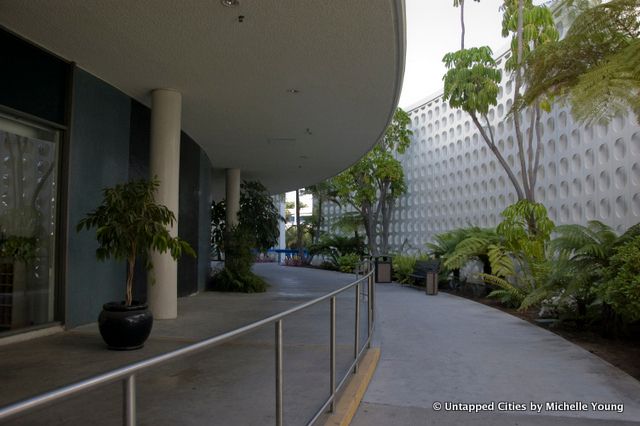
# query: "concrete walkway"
441 349
231 384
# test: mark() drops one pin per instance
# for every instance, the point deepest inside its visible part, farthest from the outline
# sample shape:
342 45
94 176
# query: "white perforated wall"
454 180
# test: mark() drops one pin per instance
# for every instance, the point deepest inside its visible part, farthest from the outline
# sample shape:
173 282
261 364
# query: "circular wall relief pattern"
589 158
603 153
472 186
564 166
619 149
621 207
602 130
635 205
635 173
576 213
576 164
590 210
620 178
605 208
635 144
551 146
563 142
604 182
618 123
564 189
576 187
575 137
562 119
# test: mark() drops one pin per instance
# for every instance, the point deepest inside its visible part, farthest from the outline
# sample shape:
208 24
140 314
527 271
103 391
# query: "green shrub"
402 267
621 290
336 246
236 274
348 262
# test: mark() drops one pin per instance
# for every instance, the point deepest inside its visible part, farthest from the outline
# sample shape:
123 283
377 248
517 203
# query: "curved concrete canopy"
293 94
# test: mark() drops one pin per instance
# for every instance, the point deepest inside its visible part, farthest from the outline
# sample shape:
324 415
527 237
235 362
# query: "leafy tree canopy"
596 66
259 215
472 80
129 223
373 184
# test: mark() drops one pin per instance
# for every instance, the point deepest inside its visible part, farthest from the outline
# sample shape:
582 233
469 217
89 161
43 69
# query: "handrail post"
279 373
129 401
373 298
369 310
332 379
357 331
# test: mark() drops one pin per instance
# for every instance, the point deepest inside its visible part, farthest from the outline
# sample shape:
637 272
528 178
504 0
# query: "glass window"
28 194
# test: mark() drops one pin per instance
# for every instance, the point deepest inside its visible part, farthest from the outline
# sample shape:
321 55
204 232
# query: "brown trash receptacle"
383 269
431 272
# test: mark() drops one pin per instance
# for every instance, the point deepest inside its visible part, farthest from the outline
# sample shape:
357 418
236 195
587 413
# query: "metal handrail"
128 373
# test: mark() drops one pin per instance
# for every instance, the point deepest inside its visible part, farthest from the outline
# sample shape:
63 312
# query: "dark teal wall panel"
98 158
139 144
189 206
205 221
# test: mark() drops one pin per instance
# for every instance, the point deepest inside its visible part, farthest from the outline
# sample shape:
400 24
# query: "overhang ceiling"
345 59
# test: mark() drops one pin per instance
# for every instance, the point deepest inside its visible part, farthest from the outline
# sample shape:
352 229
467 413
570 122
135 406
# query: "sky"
433 29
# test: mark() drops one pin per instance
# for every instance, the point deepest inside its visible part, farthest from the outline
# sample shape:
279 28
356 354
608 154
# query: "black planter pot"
125 328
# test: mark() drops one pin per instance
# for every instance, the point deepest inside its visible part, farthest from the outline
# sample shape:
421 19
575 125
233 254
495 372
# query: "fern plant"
474 247
596 67
519 262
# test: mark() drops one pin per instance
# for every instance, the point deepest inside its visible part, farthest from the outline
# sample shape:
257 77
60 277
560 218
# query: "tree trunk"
492 146
536 163
132 264
462 28
368 217
316 235
298 227
516 96
386 224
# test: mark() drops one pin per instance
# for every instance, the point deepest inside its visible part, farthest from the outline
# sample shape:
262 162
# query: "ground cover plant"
586 276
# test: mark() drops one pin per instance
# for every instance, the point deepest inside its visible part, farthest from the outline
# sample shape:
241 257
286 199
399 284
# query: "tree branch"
490 143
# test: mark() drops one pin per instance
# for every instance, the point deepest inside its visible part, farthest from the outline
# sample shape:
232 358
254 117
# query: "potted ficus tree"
129 223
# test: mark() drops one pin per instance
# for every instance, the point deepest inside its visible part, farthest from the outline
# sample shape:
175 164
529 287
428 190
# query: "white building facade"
454 180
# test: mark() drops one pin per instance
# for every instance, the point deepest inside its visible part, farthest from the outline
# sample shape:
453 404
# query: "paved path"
231 384
445 348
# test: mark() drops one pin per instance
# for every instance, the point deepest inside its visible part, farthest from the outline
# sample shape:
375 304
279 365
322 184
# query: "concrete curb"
349 400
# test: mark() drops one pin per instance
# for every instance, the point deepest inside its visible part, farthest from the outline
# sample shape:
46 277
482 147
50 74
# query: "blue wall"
204 226
98 158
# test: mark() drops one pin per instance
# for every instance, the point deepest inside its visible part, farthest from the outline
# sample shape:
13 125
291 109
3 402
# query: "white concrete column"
232 182
166 111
